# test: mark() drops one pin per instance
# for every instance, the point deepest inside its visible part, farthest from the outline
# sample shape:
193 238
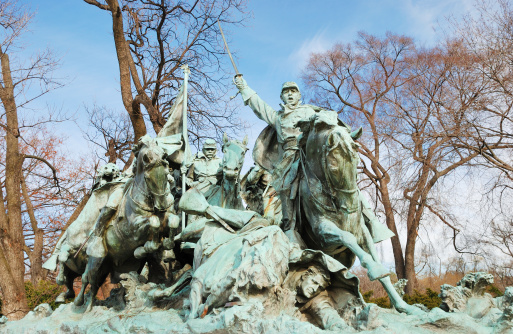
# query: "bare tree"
431 113
488 37
487 34
354 79
153 39
45 207
21 82
501 237
112 133
414 105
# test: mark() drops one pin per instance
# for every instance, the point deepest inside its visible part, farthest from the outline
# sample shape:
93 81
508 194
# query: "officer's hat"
209 143
289 84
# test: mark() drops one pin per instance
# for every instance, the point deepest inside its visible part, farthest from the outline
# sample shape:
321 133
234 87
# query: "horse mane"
236 142
145 140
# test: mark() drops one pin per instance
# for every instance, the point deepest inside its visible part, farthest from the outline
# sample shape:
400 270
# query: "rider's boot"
288 220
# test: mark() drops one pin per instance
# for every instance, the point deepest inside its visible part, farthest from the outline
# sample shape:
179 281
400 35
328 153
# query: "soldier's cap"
210 143
289 84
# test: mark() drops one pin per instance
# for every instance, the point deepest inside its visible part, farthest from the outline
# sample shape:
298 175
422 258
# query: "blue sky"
272 48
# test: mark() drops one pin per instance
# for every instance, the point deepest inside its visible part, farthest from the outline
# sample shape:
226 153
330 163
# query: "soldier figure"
205 169
285 178
312 298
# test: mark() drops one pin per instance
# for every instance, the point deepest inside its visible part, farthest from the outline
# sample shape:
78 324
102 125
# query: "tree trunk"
35 254
125 79
409 263
396 242
9 288
415 211
12 268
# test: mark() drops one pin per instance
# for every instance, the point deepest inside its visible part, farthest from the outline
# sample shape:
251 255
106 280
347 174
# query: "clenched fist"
239 81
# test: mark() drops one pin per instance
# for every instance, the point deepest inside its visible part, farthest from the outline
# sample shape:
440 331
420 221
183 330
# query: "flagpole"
185 135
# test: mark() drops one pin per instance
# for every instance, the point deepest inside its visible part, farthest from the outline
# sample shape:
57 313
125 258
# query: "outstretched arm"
251 99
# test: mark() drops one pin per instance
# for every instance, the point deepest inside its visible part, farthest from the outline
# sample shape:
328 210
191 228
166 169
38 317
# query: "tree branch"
54 171
97 4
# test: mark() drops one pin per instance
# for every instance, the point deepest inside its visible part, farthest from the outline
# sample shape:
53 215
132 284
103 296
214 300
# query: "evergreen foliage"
429 299
494 291
380 301
43 292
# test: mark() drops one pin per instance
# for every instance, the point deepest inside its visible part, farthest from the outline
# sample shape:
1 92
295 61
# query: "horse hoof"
410 310
61 298
154 222
69 294
79 301
89 307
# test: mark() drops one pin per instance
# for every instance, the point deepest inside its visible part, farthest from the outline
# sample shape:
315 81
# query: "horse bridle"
135 185
237 181
331 187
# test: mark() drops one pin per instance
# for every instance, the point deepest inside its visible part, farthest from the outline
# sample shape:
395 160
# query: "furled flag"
173 136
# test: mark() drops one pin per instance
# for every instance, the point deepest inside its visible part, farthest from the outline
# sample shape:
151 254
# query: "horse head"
151 172
233 157
331 145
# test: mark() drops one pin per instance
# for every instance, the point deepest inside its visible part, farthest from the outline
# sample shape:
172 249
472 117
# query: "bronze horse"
332 207
144 218
226 193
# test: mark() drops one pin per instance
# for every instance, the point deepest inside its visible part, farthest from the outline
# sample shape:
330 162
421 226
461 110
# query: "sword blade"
228 49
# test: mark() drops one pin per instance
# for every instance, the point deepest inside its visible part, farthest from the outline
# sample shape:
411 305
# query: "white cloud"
424 17
318 43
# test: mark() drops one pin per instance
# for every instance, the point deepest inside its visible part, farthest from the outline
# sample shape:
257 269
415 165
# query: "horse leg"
79 300
61 277
92 267
398 303
396 300
66 277
97 279
330 236
69 285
